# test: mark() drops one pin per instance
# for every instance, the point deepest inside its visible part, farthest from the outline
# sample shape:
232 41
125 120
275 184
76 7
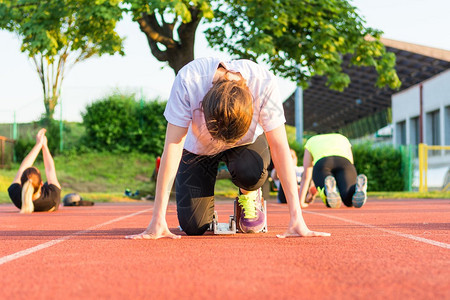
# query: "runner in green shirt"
328 161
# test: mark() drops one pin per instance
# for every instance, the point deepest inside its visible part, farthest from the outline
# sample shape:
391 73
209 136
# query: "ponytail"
27 197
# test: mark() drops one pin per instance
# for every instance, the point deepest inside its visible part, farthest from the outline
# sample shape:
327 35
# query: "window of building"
414 133
447 125
400 130
447 128
433 130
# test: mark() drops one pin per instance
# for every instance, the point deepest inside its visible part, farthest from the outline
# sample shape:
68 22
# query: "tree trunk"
50 104
177 53
51 76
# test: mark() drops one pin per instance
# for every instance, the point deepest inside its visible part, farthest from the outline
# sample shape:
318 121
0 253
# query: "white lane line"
405 235
34 249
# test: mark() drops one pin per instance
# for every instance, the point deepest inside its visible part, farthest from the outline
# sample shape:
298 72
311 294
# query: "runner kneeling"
223 111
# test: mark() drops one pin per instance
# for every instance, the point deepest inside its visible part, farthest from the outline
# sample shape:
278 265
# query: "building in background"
421 114
363 111
362 108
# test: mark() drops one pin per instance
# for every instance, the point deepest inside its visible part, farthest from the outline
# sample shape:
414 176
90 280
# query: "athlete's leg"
195 182
345 173
325 181
248 164
248 168
321 170
281 197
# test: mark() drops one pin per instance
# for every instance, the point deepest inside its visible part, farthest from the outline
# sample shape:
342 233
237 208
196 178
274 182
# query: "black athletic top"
50 197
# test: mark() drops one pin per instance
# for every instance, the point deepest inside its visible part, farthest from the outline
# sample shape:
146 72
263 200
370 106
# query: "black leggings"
343 171
196 178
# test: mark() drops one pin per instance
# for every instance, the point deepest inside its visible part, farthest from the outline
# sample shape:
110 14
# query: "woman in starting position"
231 112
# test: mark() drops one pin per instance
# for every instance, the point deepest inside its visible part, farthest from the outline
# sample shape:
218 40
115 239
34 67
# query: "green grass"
105 172
97 176
407 195
103 177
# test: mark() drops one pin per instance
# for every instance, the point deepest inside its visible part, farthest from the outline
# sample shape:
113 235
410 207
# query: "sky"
415 21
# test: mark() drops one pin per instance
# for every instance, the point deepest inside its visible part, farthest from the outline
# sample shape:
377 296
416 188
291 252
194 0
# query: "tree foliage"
300 39
297 39
57 34
170 27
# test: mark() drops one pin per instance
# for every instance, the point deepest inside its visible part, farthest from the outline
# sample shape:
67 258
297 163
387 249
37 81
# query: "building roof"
326 110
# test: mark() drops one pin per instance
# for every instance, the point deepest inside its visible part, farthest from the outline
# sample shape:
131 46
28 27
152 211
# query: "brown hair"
228 110
34 175
31 182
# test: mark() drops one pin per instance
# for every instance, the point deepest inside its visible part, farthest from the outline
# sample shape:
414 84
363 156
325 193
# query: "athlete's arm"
279 149
28 161
306 177
170 160
49 164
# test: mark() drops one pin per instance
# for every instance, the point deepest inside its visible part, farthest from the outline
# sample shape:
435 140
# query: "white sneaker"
360 196
333 197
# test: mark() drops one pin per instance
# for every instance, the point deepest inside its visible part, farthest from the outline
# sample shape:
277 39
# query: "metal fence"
424 165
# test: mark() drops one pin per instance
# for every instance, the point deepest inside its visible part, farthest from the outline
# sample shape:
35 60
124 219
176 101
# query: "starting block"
230 227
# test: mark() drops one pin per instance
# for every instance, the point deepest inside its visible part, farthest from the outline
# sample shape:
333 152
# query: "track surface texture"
388 249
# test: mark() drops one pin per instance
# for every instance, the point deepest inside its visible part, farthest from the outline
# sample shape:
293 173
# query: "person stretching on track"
230 112
328 161
28 192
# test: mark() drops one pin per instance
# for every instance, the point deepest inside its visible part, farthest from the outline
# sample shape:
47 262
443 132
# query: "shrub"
153 127
22 147
120 123
382 165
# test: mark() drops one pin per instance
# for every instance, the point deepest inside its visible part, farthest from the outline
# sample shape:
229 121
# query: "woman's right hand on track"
154 232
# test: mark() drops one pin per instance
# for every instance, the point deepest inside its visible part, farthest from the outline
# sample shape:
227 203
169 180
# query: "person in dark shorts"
28 192
328 161
281 197
231 112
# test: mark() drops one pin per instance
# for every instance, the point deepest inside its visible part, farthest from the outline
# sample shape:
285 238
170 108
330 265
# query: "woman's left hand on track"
152 236
154 231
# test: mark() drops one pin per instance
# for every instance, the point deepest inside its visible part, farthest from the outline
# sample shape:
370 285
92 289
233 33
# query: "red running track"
389 249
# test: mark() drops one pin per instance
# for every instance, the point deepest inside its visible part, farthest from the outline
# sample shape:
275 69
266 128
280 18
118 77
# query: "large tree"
296 38
57 34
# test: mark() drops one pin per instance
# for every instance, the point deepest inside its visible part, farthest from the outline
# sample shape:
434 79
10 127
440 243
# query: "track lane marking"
45 245
405 235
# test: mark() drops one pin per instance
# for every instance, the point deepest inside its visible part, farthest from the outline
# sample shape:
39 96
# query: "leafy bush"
22 147
72 133
120 123
153 127
382 165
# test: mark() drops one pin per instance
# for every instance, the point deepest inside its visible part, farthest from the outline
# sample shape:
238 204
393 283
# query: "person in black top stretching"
28 192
